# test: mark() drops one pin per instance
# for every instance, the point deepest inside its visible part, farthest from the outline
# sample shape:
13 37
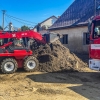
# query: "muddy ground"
56 57
61 75
50 86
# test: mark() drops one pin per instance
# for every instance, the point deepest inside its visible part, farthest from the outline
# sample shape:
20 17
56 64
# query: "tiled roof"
78 13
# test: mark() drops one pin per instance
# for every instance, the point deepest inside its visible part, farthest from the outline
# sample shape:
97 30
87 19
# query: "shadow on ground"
83 57
89 82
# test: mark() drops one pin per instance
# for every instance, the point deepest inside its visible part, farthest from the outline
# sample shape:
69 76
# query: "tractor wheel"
30 64
9 66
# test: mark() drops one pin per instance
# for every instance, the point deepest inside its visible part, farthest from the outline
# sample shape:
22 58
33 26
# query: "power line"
6 20
20 19
7 23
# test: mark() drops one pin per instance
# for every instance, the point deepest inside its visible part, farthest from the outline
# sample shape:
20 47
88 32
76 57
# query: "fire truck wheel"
9 66
30 64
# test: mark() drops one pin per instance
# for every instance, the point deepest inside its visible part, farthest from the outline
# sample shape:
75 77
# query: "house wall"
75 38
35 29
48 23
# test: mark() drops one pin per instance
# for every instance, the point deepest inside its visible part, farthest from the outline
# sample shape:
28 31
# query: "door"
95 41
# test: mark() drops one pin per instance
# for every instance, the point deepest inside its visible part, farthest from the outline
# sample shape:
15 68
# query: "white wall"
75 38
49 22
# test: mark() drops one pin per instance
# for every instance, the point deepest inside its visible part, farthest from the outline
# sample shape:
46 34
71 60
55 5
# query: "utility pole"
95 7
3 11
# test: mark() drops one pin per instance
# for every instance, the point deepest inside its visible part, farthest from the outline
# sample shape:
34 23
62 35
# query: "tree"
1 28
24 28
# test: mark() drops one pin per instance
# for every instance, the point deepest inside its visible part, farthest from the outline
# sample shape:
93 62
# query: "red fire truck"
94 47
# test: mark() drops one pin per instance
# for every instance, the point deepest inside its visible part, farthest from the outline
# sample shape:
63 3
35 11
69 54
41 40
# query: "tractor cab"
14 51
12 44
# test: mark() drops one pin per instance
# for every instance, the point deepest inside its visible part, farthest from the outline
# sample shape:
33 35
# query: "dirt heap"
55 57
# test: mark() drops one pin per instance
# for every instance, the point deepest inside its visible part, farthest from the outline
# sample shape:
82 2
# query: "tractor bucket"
51 37
54 37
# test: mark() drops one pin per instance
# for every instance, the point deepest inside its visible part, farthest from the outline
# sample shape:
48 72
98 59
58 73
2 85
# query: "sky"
31 10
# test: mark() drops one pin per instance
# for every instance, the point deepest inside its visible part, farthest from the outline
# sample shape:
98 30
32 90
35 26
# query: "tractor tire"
30 64
9 66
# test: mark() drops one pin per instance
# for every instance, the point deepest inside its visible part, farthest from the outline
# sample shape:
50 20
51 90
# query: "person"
30 42
1 42
18 42
11 28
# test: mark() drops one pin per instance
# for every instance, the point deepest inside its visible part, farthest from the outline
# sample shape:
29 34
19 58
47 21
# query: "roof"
78 13
45 20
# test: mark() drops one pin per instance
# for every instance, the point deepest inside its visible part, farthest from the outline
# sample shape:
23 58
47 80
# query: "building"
73 24
11 28
44 25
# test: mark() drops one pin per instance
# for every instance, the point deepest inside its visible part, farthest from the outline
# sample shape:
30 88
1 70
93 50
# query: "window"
65 39
85 38
96 32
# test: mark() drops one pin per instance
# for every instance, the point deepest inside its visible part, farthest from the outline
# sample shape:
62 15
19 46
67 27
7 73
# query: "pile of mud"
55 57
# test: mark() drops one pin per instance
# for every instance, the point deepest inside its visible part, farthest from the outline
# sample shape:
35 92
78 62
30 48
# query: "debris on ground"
56 57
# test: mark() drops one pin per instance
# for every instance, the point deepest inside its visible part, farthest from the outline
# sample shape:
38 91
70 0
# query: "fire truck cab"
94 44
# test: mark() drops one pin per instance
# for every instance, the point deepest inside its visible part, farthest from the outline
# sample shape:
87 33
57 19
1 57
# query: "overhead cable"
20 19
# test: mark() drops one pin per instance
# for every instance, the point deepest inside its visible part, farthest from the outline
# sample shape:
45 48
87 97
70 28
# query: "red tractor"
13 57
